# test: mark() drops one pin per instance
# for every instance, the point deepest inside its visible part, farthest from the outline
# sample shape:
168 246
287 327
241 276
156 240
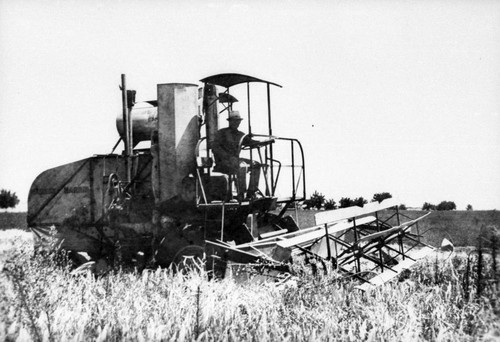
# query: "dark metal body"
161 202
166 204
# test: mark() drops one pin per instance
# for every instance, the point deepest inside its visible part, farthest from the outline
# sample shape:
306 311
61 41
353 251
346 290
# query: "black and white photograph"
249 170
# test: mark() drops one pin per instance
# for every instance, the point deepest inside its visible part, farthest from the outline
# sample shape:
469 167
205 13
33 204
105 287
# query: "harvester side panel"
178 134
56 192
77 199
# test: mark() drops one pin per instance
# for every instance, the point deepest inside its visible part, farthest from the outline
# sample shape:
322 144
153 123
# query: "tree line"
318 201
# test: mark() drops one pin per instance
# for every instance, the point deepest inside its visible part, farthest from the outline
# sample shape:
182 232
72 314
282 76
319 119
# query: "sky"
385 96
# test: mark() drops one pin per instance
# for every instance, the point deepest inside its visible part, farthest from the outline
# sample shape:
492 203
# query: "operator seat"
214 185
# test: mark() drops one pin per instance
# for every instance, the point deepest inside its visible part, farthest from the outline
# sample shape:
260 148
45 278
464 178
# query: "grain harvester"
166 203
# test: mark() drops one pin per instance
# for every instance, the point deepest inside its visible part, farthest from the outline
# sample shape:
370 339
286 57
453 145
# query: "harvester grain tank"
166 203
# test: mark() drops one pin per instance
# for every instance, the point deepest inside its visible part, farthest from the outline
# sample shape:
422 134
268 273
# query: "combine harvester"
166 203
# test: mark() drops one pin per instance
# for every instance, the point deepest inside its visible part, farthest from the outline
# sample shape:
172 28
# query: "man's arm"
248 141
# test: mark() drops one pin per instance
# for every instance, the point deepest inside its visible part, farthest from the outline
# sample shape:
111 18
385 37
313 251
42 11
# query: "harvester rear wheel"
189 258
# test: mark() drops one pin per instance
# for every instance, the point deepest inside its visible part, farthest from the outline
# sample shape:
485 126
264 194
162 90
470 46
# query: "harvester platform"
355 240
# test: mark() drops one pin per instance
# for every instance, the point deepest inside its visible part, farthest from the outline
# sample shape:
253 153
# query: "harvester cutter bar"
385 276
235 254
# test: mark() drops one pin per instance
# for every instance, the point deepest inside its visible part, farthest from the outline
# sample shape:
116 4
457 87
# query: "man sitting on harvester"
226 149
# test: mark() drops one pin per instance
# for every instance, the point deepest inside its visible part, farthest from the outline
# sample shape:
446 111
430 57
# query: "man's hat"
234 115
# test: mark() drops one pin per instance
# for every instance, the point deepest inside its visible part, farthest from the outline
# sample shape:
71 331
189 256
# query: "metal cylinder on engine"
144 119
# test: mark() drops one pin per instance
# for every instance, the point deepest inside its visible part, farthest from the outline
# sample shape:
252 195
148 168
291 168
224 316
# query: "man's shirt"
226 149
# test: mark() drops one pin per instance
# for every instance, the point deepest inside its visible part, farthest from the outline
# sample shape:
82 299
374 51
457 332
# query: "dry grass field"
444 298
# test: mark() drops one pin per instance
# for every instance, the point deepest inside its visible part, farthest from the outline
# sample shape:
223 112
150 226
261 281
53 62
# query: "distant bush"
346 202
428 206
359 201
330 204
8 199
469 207
446 205
315 201
379 197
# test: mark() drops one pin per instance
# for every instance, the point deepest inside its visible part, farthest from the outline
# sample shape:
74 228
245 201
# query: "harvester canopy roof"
229 80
